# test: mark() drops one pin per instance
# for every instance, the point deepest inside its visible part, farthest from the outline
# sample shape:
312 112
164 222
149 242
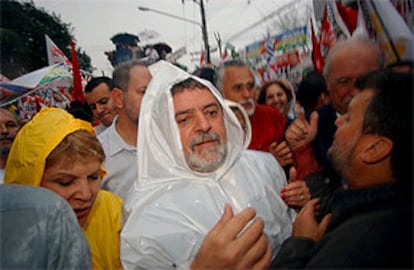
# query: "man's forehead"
8 114
204 96
203 91
237 71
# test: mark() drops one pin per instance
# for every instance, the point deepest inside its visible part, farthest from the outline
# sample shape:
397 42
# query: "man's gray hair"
358 39
221 69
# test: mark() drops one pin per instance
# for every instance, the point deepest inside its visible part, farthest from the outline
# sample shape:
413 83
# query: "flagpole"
386 32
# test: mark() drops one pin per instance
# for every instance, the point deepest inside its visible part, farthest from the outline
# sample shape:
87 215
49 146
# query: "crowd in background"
166 169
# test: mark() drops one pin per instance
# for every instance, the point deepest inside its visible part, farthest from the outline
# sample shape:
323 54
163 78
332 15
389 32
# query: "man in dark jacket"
371 221
346 61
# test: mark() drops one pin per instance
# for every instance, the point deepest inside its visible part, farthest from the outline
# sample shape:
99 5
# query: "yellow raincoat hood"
35 141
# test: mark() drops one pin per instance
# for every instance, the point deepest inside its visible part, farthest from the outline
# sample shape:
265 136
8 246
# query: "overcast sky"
94 22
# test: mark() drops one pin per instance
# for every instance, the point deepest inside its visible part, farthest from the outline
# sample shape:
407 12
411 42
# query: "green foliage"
23 46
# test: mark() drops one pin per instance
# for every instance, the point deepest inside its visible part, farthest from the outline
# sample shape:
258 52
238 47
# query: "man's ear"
377 149
117 97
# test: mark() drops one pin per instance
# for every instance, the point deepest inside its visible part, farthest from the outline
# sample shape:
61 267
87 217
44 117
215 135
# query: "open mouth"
82 213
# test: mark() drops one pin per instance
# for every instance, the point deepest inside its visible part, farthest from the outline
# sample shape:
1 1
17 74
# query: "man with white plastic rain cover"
192 164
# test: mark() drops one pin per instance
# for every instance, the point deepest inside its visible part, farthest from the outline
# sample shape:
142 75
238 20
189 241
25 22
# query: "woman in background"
280 95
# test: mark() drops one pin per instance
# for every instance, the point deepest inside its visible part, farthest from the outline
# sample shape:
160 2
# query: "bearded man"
192 164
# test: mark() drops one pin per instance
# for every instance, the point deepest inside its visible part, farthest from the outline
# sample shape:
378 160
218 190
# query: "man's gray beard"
199 165
250 101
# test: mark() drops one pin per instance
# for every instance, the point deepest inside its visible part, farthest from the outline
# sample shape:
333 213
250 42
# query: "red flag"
317 57
327 37
225 55
348 15
77 92
202 58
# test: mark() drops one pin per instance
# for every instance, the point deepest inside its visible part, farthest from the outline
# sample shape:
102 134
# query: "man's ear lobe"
378 149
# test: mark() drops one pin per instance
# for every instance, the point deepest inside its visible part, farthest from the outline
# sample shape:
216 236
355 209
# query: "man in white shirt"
130 80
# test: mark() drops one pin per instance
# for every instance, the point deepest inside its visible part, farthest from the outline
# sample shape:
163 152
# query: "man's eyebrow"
343 78
184 112
213 104
103 98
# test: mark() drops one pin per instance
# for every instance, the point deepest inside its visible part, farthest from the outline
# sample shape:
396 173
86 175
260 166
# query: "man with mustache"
371 223
237 83
310 138
192 164
9 125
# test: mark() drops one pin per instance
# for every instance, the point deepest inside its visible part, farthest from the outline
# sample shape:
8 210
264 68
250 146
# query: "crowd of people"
197 171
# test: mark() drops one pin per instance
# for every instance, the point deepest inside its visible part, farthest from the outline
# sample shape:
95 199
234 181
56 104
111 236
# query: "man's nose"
203 123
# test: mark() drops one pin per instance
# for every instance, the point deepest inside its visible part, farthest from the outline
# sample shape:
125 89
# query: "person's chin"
106 120
82 215
250 111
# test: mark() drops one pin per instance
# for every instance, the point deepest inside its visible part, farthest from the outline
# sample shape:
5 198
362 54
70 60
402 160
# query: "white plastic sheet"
172 208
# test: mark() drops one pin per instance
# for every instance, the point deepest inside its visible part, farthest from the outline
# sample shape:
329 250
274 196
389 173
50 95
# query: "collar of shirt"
112 142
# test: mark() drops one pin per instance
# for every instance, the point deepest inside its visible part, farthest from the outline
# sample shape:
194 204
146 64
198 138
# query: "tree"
22 30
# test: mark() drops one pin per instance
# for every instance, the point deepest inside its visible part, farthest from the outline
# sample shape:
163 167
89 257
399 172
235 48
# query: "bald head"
346 61
353 48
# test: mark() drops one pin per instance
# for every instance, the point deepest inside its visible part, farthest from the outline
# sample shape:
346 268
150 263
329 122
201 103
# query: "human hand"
296 193
227 247
306 225
282 152
301 132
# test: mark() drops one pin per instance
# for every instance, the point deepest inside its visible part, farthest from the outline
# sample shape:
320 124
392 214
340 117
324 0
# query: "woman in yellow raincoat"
58 152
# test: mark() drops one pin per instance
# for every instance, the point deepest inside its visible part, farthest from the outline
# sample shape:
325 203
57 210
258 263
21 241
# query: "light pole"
202 24
204 30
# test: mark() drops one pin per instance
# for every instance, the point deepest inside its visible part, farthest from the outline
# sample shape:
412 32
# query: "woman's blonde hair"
80 145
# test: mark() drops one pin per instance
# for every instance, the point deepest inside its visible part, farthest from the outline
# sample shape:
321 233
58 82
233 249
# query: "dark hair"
263 90
80 110
120 75
390 114
206 73
189 83
403 65
94 82
310 89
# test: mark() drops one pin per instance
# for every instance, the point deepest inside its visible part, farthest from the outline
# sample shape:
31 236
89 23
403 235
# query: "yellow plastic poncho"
26 164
